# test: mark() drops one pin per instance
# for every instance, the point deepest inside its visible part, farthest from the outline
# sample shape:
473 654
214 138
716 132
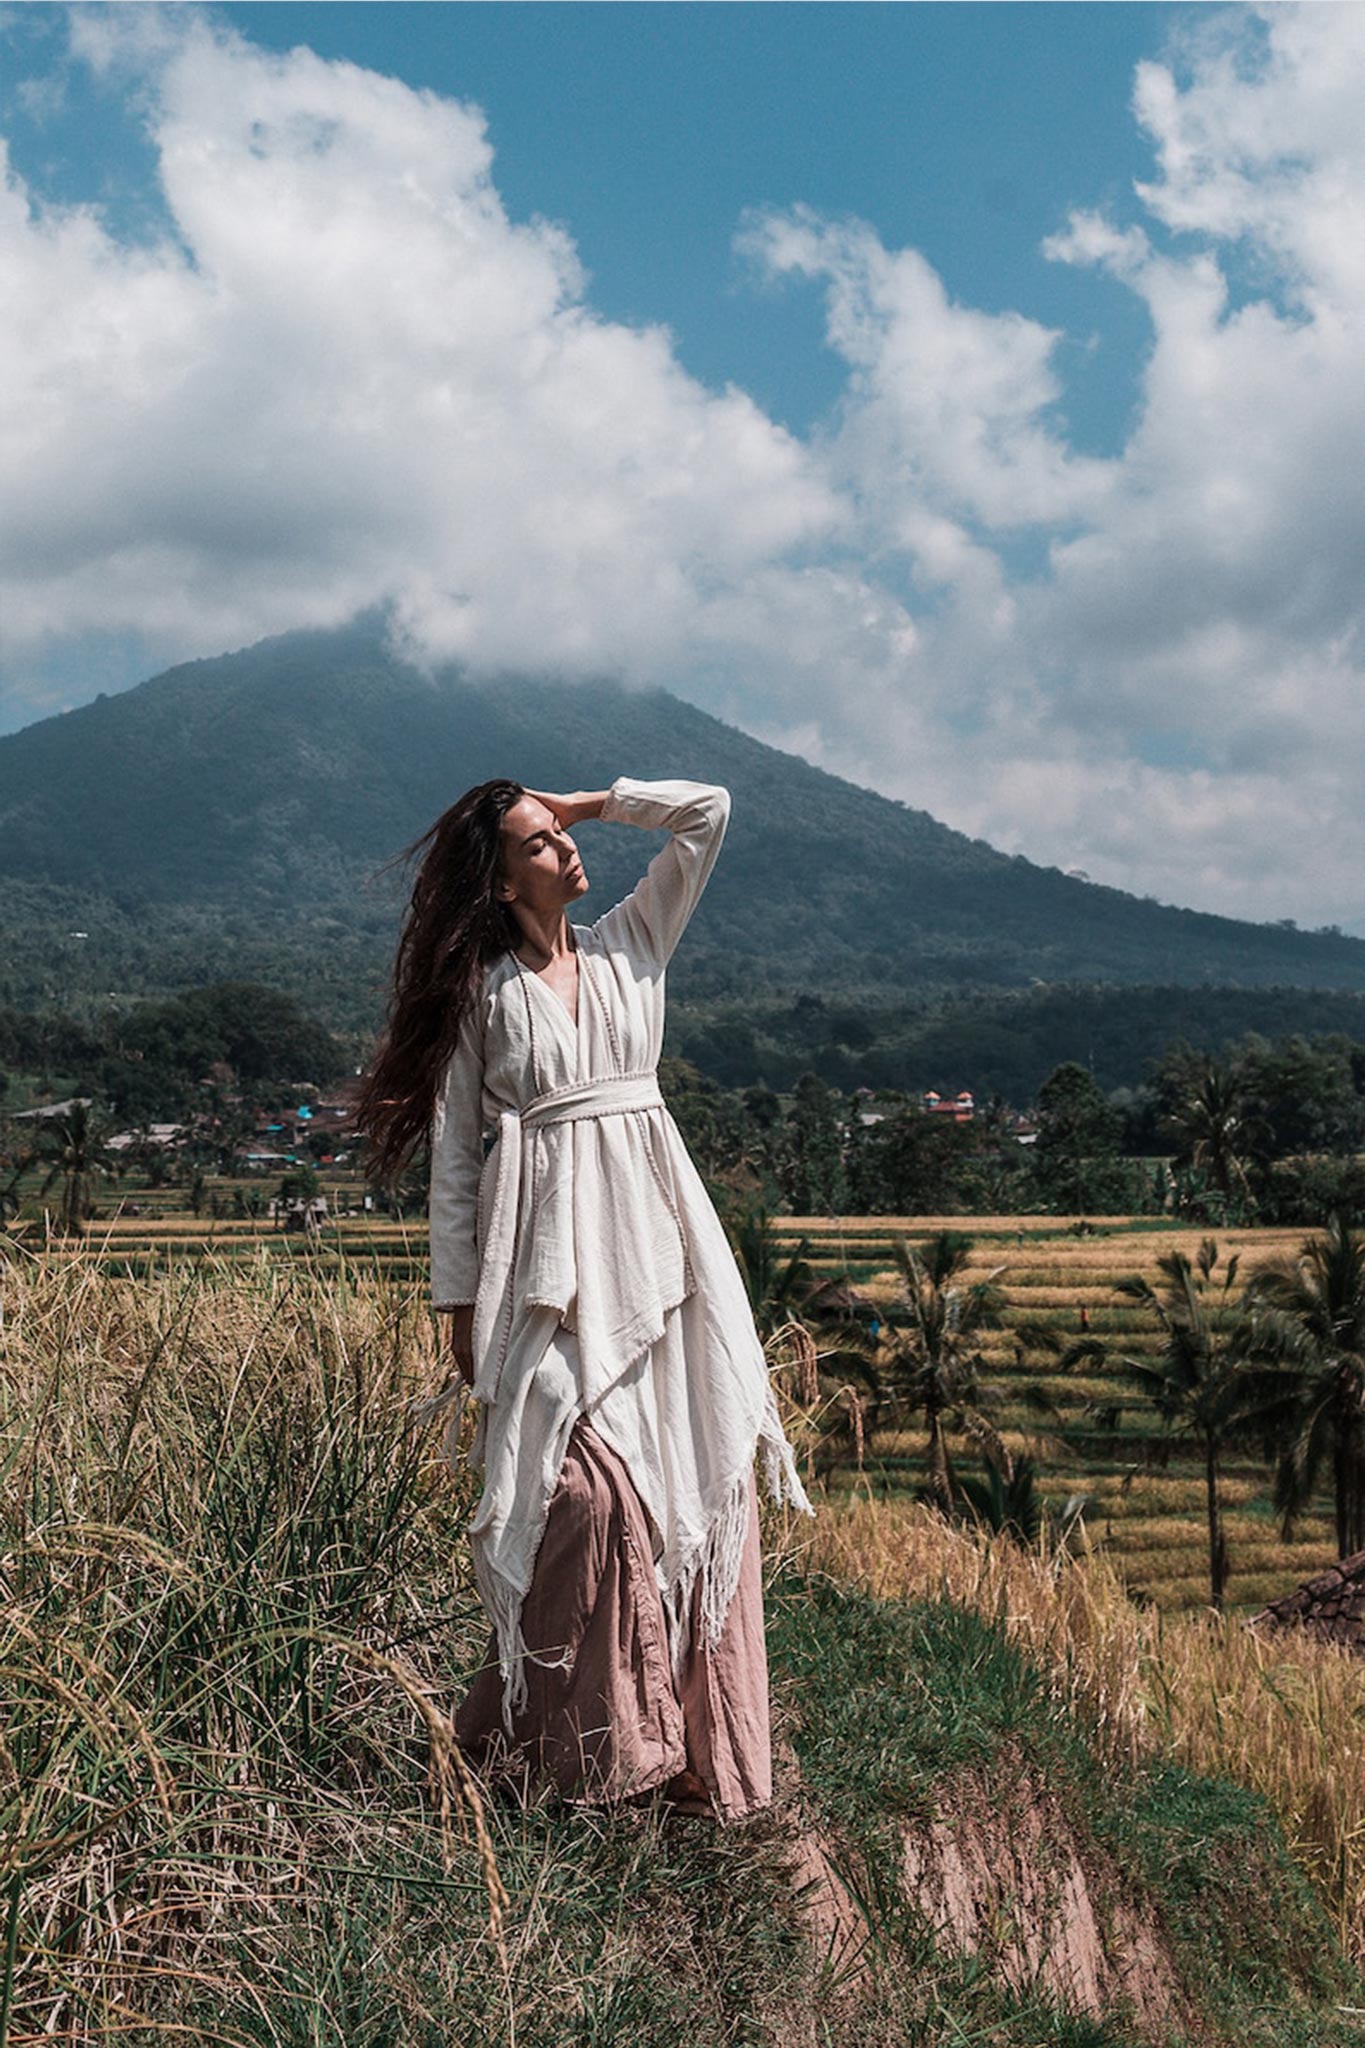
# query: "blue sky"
931 389
649 130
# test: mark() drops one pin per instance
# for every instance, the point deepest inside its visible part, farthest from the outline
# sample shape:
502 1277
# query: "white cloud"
946 405
1178 703
348 376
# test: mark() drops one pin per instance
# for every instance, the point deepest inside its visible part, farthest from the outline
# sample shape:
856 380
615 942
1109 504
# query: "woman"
595 1308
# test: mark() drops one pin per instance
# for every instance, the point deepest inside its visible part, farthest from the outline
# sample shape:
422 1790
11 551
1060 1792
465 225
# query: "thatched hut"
1331 1606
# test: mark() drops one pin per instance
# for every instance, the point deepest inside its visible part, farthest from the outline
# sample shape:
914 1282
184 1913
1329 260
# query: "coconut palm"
930 1365
1015 1508
1309 1319
1011 1507
72 1146
1202 1383
828 1356
1212 1116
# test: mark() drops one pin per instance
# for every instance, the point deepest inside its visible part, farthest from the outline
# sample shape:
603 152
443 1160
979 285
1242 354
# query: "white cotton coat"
602 1279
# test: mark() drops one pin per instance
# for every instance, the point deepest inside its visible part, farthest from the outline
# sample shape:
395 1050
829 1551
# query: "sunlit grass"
1282 1714
237 1613
216 1678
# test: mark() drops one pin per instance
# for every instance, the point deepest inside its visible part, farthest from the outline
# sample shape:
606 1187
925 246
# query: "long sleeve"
456 1166
652 919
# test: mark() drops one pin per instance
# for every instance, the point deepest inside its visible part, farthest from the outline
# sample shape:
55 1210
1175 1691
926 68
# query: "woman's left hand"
571 810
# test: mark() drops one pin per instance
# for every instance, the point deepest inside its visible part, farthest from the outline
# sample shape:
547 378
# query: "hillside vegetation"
238 1613
1001 1045
238 808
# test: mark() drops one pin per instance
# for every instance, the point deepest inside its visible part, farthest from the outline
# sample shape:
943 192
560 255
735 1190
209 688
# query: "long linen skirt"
611 1722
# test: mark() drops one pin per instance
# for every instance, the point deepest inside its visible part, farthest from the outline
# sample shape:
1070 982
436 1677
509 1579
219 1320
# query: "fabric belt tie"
612 1095
554 1277
620 1306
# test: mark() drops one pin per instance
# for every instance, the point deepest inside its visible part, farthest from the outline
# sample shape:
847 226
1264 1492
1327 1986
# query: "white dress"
602 1279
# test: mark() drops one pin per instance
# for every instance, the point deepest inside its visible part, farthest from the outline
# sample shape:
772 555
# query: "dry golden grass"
212 1681
1284 1715
1056 1294
1171 1532
1036 1242
926 1226
1154 1492
1067 1391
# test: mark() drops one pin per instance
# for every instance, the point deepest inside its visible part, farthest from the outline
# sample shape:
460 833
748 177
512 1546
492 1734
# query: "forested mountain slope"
228 817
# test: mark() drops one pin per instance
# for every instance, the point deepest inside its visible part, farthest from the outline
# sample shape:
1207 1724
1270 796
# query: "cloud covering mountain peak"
343 376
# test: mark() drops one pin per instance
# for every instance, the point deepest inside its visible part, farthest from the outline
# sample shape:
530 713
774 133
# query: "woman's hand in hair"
572 810
462 1341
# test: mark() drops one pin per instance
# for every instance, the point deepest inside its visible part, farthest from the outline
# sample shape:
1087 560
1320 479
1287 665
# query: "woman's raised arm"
652 919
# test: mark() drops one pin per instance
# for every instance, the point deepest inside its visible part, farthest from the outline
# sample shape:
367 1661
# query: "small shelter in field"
1330 1606
298 1212
835 1297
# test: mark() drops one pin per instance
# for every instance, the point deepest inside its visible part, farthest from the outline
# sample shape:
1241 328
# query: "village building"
165 1135
961 1108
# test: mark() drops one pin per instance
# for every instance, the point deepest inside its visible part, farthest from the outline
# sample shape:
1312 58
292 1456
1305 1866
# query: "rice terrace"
1142 1490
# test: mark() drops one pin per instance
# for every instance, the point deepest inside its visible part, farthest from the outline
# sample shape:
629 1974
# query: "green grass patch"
891 1703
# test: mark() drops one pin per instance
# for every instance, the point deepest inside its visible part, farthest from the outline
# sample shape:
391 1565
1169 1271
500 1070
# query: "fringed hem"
501 1599
718 1558
503 1603
716 1561
780 1476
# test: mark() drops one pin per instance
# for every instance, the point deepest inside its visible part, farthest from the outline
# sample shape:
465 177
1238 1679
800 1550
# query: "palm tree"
1014 1507
775 1282
931 1365
1309 1318
835 1383
1213 1120
1011 1507
1201 1382
72 1146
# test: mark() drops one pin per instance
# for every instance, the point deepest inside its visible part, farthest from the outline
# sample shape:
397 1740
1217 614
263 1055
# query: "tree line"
150 1061
1264 1130
1269 1132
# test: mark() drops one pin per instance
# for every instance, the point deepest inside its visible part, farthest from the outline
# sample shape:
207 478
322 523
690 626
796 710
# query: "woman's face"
541 870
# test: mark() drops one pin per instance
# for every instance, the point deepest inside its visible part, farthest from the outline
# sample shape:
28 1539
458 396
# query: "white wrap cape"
602 1281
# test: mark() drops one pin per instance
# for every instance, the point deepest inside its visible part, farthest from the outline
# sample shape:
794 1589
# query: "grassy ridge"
902 1705
1273 1714
237 1613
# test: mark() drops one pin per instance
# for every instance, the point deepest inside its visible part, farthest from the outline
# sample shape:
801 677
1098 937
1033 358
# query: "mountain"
229 817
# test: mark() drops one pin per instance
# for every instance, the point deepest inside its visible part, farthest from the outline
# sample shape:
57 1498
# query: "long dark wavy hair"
453 928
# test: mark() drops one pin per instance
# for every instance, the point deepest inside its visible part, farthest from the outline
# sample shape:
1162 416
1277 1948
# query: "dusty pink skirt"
612 1723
